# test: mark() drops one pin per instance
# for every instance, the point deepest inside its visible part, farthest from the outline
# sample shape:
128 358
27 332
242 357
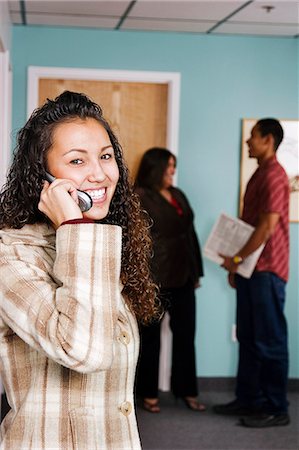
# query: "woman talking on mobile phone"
73 284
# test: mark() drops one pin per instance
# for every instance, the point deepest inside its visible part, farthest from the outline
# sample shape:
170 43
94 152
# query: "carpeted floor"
178 428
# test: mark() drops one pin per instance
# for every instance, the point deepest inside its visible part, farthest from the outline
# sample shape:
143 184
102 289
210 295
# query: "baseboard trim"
228 384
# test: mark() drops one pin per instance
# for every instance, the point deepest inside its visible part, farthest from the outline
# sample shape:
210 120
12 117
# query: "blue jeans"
263 348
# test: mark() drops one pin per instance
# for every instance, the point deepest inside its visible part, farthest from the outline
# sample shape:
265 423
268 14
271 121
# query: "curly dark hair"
20 195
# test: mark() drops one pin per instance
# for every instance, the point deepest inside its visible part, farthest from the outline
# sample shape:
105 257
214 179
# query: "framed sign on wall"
287 155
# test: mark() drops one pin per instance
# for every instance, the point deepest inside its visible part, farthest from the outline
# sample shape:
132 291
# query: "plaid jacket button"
126 408
124 337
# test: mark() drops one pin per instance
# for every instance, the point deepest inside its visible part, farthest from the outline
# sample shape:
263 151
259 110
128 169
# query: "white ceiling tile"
283 12
257 29
198 10
101 8
167 25
16 17
197 16
72 21
14 5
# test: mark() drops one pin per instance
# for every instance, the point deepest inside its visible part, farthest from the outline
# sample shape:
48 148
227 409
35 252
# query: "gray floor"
178 428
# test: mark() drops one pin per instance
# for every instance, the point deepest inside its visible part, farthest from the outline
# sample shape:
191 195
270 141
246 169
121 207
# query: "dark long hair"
152 168
20 195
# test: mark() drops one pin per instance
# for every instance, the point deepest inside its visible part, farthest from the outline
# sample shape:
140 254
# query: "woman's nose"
97 173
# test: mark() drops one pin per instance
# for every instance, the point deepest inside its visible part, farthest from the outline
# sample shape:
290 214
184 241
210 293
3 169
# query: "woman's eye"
106 156
76 161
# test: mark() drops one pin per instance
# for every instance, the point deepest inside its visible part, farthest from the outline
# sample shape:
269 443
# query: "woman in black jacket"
177 268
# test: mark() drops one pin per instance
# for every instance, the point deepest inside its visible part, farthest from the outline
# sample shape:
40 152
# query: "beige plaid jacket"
68 343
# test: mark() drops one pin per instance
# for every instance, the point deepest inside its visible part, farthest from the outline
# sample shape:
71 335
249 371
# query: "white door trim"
170 78
5 114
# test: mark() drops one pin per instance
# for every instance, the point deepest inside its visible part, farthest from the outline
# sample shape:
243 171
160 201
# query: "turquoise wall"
223 79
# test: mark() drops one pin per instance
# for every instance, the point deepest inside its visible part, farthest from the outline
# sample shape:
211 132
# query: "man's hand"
229 264
264 229
231 280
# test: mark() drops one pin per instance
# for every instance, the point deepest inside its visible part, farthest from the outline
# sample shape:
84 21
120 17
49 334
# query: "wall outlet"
234 332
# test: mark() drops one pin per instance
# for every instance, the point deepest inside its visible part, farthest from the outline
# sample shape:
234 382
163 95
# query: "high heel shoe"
193 404
151 405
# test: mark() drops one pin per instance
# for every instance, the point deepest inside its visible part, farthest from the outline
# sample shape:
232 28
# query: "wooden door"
137 112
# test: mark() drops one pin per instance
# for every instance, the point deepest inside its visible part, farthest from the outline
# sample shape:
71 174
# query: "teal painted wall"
223 79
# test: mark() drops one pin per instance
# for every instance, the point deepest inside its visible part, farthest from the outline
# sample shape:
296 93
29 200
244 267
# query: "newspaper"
227 237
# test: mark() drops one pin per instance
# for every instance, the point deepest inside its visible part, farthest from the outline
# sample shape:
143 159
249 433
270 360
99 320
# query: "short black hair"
273 127
152 168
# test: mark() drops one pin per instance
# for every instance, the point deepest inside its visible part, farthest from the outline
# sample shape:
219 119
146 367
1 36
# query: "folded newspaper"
227 237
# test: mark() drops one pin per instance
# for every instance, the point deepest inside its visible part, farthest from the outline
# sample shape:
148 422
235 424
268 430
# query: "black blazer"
177 255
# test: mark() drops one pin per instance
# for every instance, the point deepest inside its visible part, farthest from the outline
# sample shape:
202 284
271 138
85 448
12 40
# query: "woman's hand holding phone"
59 201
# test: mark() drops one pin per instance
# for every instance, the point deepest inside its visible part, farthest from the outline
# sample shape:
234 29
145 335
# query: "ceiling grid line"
127 11
229 16
23 12
270 18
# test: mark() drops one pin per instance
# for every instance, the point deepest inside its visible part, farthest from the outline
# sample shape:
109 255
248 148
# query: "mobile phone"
85 200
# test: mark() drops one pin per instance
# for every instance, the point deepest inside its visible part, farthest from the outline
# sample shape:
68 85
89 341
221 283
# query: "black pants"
180 304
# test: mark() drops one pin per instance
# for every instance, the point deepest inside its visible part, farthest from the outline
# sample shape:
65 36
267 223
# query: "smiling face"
82 152
167 180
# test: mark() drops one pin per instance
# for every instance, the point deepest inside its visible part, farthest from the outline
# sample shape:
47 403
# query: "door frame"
5 114
172 79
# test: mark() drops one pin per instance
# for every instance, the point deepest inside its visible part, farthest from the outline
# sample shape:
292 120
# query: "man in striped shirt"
261 391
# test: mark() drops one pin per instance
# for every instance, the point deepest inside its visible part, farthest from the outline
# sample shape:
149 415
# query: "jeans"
263 348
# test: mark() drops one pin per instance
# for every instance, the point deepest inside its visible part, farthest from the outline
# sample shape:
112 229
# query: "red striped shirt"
268 192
